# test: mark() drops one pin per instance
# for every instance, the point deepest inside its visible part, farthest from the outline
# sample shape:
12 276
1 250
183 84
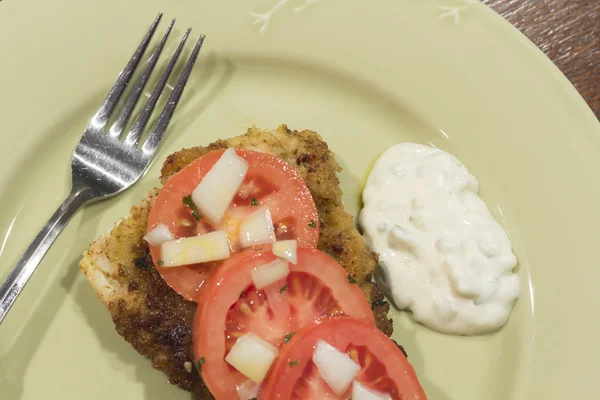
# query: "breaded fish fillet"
156 320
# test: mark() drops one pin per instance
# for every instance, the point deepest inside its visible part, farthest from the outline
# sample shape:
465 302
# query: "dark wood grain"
568 31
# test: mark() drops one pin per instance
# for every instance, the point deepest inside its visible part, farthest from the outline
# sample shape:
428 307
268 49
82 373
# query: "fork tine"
158 130
127 110
142 120
101 118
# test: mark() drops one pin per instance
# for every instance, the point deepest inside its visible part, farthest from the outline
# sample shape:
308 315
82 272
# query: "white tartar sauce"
442 255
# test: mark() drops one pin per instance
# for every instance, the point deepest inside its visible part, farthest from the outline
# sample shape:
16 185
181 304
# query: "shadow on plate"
98 318
407 338
22 352
211 76
40 318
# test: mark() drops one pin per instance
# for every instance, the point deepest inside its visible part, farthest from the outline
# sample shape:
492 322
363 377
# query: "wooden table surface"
568 31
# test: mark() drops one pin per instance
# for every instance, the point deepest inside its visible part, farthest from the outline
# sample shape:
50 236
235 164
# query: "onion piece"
286 249
337 368
252 356
257 228
219 186
360 392
211 246
247 390
158 235
270 273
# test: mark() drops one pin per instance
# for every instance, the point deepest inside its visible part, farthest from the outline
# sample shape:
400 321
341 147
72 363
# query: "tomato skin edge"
338 331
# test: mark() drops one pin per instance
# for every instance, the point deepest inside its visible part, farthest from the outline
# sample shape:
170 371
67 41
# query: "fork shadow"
24 348
215 74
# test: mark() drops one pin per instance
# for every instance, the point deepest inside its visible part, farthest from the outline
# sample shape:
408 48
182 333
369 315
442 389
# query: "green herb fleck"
254 202
283 288
351 279
161 262
312 224
187 201
288 336
378 303
294 363
200 363
141 262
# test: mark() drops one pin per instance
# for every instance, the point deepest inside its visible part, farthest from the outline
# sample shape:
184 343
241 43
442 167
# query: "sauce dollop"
442 255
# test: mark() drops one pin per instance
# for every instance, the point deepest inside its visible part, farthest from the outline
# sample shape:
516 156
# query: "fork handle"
17 279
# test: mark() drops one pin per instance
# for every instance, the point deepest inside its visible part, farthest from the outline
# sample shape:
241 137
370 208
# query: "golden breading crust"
156 320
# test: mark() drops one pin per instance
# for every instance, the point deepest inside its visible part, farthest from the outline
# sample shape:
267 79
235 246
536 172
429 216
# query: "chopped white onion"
359 392
257 228
270 273
196 249
158 235
219 186
336 368
286 249
247 390
252 356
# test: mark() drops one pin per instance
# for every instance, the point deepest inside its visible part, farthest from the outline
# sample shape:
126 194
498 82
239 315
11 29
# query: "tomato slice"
385 369
230 306
269 182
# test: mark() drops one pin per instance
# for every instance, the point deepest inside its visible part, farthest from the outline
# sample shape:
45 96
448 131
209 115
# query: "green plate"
363 74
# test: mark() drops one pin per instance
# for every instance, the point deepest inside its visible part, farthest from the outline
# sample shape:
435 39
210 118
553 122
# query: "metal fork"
103 164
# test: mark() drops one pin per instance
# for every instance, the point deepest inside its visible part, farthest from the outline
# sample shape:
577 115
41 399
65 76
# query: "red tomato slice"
270 180
230 306
385 369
